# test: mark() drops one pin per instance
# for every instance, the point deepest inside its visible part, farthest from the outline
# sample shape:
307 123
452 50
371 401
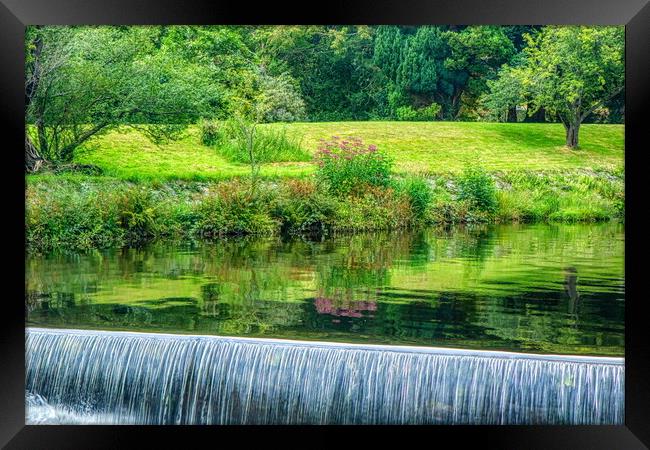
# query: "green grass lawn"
417 147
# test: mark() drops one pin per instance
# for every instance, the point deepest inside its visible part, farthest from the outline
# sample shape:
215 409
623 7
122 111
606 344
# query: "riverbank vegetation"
74 211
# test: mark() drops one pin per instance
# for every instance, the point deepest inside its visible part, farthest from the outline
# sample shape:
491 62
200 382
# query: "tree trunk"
512 114
572 134
42 137
455 104
33 160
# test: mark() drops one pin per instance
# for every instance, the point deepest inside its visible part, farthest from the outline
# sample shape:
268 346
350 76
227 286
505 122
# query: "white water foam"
78 376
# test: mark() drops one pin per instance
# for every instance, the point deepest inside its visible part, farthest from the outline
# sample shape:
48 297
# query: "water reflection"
347 309
500 287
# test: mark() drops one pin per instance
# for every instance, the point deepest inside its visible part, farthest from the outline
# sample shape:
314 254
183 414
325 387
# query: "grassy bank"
77 212
418 148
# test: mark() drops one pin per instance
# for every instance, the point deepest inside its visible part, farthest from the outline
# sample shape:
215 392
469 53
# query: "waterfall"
80 376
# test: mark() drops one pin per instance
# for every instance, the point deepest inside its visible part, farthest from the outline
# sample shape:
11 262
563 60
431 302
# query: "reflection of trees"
426 287
539 321
571 288
475 242
210 296
351 275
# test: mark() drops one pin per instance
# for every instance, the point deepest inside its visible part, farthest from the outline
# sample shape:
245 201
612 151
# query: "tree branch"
600 103
83 138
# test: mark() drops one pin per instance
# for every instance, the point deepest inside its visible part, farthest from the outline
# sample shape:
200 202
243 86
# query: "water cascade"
76 376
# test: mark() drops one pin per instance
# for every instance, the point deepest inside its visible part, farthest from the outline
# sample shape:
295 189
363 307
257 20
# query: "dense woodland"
84 81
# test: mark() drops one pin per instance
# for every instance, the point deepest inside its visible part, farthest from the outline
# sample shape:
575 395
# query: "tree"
572 71
250 108
43 58
448 66
506 93
331 64
83 81
478 52
281 97
421 73
226 56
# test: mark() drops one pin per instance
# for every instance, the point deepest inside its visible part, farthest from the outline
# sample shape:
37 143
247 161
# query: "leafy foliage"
346 165
477 186
78 212
82 81
282 99
409 114
231 209
302 208
419 194
269 145
211 132
571 72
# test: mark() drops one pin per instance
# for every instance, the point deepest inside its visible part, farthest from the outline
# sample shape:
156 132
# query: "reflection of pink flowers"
350 309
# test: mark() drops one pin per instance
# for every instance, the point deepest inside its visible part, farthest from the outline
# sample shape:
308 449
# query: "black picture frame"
16 14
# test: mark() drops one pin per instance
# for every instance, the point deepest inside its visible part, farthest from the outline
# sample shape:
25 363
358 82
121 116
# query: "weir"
81 376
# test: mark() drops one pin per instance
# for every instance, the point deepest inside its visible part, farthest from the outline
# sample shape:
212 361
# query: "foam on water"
85 377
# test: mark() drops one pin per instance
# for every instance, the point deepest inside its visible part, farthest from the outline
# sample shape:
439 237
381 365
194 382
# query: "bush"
136 214
407 113
229 209
269 145
211 132
477 186
447 211
302 208
71 217
348 165
376 209
282 99
419 194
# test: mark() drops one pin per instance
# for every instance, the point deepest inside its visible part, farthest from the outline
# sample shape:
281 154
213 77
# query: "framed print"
415 217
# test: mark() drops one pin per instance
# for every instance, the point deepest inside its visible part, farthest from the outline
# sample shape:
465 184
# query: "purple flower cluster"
337 148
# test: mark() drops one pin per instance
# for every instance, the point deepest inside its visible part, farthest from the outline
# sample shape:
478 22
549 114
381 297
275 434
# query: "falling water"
139 378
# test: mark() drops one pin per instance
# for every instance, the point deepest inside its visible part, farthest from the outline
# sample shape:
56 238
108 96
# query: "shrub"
619 205
282 99
269 145
477 186
229 209
419 194
445 211
302 208
136 214
211 132
347 165
408 113
72 218
376 209
429 112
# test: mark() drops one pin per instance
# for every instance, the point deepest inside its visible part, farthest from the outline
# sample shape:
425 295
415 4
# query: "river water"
532 288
